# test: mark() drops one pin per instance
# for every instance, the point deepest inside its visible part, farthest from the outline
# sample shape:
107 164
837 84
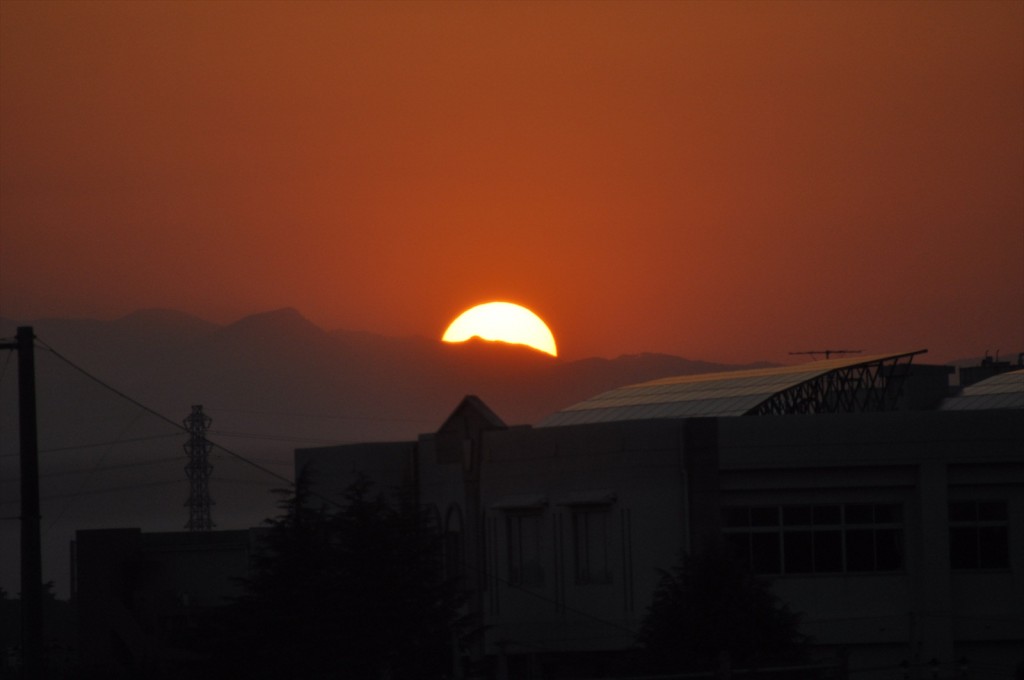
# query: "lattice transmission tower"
198 471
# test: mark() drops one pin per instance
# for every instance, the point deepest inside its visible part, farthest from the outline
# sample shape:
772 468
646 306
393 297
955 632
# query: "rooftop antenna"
828 352
198 470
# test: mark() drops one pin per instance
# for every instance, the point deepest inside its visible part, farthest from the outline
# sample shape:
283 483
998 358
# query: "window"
874 537
590 545
524 549
453 557
453 566
979 535
817 539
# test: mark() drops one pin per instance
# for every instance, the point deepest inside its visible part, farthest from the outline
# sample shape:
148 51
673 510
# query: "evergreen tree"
709 612
352 592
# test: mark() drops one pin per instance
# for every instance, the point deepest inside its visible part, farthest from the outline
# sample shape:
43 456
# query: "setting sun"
502 321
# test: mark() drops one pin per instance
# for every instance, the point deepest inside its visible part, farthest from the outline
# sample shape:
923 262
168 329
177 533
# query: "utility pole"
31 544
198 471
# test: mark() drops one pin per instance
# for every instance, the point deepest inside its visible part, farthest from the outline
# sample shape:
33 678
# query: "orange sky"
726 181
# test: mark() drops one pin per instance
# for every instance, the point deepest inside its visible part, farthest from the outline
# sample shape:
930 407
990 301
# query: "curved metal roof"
848 384
1005 390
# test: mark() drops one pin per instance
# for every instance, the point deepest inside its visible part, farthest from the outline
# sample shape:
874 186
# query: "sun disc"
505 322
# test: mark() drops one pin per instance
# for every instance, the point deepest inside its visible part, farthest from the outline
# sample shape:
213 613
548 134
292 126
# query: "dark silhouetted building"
139 595
886 510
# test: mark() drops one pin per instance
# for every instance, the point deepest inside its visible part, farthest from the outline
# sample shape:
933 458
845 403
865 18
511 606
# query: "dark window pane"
453 554
798 551
828 551
827 514
963 511
992 511
963 547
736 517
860 514
764 517
993 547
796 515
515 556
765 553
888 549
739 545
524 550
581 547
600 552
860 550
888 514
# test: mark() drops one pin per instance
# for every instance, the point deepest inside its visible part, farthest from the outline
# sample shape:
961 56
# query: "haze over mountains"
271 382
376 387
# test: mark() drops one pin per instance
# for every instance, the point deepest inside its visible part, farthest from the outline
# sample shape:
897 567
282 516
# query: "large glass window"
590 545
979 535
525 566
817 539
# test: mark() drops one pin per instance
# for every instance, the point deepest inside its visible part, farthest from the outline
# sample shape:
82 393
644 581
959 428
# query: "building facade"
898 533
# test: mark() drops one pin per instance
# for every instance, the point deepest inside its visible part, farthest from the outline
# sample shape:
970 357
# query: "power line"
274 437
320 416
7 361
153 412
271 461
110 443
105 468
111 489
95 445
97 464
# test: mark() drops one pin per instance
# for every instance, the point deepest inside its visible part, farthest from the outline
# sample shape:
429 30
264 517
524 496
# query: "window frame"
977 527
591 554
768 526
525 554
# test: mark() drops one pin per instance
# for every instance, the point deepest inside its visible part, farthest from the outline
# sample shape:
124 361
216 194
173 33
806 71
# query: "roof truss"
874 385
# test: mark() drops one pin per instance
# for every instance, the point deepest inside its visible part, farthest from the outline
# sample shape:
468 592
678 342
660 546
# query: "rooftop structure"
848 385
1005 390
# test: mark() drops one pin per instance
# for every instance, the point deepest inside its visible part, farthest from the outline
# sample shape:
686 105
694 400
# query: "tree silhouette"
709 613
356 592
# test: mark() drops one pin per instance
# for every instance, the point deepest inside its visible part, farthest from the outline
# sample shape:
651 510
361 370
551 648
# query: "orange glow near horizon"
723 181
505 322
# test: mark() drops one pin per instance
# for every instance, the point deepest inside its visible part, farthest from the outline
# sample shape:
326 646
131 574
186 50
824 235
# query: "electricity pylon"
198 471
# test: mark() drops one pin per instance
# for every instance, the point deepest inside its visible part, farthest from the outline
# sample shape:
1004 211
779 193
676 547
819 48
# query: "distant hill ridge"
173 359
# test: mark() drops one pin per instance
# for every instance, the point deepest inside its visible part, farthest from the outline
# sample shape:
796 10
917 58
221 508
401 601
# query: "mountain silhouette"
371 387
